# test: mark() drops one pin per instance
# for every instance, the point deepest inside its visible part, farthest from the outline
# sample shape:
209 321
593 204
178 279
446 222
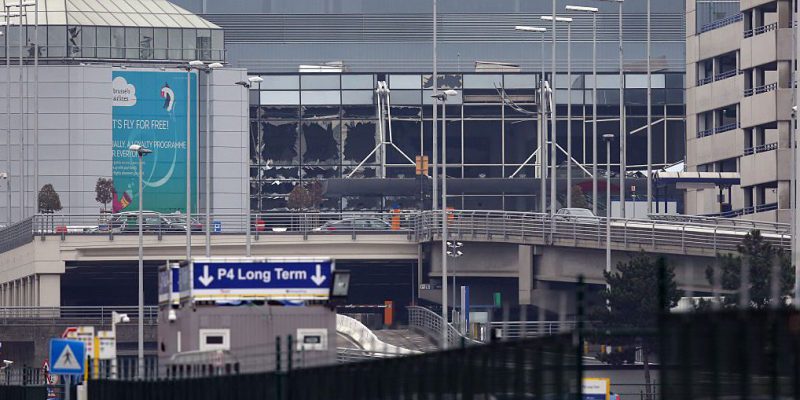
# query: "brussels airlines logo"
124 93
169 97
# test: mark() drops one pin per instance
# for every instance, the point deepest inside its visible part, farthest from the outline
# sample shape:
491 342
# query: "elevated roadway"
529 247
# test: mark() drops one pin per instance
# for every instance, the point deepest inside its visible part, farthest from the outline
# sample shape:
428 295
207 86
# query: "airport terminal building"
74 108
315 116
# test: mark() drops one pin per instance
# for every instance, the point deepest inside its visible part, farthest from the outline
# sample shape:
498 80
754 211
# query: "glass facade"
125 43
108 29
322 126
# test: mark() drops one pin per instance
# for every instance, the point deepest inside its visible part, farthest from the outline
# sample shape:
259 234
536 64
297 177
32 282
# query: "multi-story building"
321 125
739 106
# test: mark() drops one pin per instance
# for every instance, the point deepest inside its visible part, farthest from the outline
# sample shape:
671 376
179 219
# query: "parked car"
356 224
151 222
580 215
179 220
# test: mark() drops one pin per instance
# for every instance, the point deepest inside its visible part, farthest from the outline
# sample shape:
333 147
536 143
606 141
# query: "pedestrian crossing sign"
67 357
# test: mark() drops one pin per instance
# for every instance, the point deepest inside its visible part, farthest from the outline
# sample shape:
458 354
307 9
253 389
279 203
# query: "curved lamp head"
139 149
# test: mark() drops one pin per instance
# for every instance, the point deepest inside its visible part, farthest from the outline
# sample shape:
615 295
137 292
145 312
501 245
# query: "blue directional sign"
67 357
252 279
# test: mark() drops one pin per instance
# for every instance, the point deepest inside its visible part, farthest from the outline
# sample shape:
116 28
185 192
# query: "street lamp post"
649 112
434 173
454 251
247 84
116 318
211 67
141 151
593 11
442 97
553 131
542 127
608 137
553 147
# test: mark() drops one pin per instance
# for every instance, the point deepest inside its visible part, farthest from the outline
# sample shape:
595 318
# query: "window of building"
117 42
56 41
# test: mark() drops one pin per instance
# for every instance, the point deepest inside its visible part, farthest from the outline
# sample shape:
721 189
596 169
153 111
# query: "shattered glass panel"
280 142
321 172
359 138
449 81
321 142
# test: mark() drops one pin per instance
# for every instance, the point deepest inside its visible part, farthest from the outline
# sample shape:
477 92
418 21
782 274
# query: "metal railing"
705 81
591 232
100 315
528 329
761 29
16 235
722 22
726 127
760 89
745 224
430 323
705 132
727 74
717 77
516 227
760 149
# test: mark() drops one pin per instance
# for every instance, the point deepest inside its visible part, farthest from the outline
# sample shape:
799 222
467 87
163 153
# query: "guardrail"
705 132
727 74
89 315
760 149
430 323
760 89
761 29
726 127
722 22
517 227
528 329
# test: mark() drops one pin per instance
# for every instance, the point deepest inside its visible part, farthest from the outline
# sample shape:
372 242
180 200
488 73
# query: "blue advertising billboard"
251 279
153 109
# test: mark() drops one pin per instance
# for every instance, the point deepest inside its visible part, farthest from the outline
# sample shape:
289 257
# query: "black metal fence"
731 354
23 392
535 368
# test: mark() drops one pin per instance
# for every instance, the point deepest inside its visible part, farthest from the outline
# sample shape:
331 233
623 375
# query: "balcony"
764 45
760 149
712 148
725 90
760 30
763 166
765 104
716 39
760 89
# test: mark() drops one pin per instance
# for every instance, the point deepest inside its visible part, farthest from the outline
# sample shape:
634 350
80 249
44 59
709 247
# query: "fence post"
578 343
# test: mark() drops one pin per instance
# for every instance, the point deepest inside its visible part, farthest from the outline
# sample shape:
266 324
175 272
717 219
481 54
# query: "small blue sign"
67 357
217 225
257 279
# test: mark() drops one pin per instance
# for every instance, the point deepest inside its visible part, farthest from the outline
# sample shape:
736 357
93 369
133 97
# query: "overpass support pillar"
525 264
48 291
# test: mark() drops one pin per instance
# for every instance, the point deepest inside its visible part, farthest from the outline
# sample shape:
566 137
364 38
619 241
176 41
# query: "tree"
760 256
579 198
104 190
49 201
631 304
298 197
306 196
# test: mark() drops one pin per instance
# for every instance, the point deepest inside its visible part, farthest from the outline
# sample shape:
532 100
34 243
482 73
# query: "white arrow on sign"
206 279
318 278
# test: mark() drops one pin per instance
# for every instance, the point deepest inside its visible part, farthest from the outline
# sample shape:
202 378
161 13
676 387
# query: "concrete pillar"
784 9
526 274
50 290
